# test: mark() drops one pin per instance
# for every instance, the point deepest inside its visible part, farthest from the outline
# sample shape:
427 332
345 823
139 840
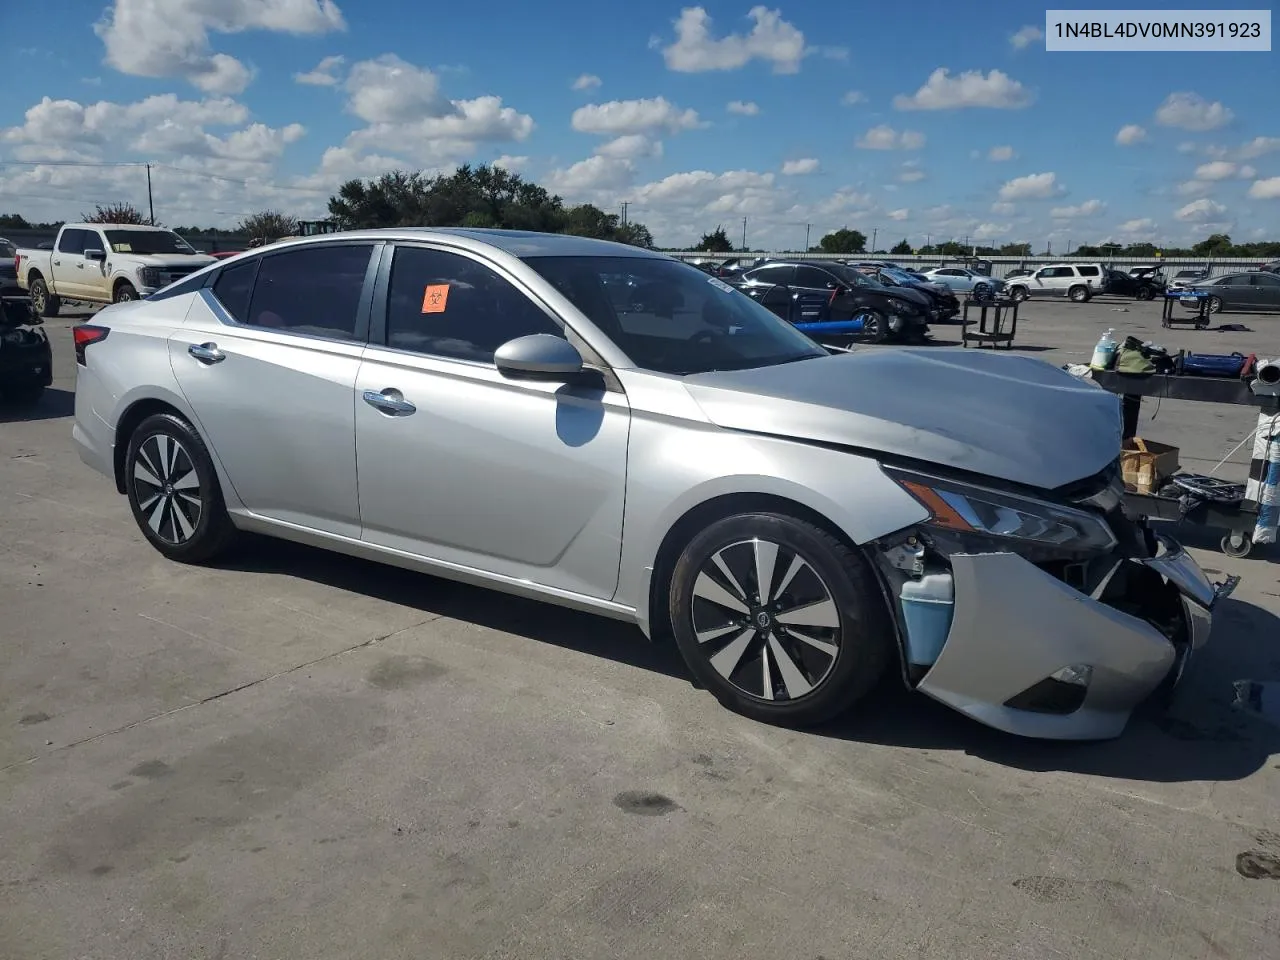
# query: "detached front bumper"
1017 631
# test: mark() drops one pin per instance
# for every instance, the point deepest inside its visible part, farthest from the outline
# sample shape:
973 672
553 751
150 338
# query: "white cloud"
593 174
1258 147
1193 188
1190 111
387 89
991 231
1188 146
1026 37
794 168
971 88
1198 211
772 40
911 172
743 107
587 81
1089 208
853 98
1000 154
322 75
1224 170
1268 189
1004 208
170 38
1131 134
903 214
1143 228
1034 186
634 116
630 146
885 137
514 164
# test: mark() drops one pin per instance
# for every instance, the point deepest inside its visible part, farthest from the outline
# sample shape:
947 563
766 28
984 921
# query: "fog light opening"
1062 692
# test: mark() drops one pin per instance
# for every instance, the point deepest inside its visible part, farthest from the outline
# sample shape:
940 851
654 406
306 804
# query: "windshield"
672 318
147 242
852 276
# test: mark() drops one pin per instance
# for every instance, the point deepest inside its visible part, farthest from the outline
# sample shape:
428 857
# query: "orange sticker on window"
436 298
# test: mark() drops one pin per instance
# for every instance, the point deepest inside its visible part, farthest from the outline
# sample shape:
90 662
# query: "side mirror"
539 356
93 253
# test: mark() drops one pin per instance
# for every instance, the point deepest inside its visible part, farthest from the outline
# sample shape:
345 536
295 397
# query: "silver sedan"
604 427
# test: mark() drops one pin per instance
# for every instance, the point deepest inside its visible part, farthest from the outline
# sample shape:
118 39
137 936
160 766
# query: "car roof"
524 243
138 227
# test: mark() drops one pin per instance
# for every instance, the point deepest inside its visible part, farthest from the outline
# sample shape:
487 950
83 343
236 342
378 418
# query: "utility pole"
806 236
625 204
744 234
874 233
151 207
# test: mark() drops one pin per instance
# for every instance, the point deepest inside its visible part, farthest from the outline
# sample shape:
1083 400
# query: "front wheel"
1079 294
1215 304
875 326
173 491
1145 293
125 292
1018 294
780 620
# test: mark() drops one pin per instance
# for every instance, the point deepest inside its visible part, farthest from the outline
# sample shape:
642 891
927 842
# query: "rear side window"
234 288
778 273
312 290
1088 271
813 277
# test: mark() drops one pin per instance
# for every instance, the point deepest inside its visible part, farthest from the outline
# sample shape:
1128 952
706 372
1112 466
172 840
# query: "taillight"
86 334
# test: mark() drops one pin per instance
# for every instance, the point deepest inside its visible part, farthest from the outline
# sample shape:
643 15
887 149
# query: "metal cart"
1199 319
1238 520
997 323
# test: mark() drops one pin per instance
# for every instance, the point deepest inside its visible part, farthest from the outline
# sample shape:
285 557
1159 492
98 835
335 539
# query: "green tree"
715 242
1015 250
268 224
843 240
118 212
1217 245
901 248
13 221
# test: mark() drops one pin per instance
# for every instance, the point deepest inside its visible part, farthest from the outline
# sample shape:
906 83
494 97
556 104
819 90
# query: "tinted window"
813 277
674 319
311 290
1259 280
7 249
1223 282
72 241
950 273
234 288
777 273
1088 271
448 305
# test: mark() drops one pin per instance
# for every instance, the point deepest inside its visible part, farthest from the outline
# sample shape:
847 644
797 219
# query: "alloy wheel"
1215 304
765 620
38 296
167 488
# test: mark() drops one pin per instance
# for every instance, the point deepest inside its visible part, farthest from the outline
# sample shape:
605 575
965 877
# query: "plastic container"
928 605
1104 354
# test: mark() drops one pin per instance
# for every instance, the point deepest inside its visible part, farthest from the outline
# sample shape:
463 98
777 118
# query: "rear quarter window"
1088 271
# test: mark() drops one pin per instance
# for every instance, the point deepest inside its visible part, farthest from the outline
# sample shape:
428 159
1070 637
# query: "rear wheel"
781 621
173 491
44 303
1079 294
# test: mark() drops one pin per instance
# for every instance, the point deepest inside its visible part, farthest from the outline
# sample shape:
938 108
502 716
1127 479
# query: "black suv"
830 301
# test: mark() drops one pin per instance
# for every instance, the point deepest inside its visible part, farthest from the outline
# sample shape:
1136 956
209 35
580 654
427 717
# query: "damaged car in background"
604 427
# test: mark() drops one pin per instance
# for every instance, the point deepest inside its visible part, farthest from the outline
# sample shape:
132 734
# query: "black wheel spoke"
166 488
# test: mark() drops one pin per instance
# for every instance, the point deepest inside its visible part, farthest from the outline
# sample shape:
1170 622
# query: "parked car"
105 263
26 359
834 302
1140 287
1018 272
944 303
1078 282
1186 278
471 404
9 270
963 280
1272 267
1253 292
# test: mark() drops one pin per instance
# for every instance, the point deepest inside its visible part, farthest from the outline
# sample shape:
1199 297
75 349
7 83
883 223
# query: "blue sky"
941 121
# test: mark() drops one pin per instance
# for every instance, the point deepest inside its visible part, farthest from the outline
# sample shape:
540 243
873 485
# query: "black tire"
125 292
980 290
1145 293
1079 294
1240 550
43 303
1018 294
164 511
1215 304
830 579
875 326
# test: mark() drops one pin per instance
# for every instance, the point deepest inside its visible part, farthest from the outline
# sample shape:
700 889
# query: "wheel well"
701 516
34 275
128 423
120 282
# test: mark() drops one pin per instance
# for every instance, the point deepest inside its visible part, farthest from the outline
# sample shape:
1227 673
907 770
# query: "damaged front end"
1049 618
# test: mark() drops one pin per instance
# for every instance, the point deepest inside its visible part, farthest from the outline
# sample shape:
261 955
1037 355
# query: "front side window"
72 241
147 242
313 290
447 305
674 319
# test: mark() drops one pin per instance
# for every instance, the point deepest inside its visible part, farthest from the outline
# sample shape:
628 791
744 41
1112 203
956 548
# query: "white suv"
1078 281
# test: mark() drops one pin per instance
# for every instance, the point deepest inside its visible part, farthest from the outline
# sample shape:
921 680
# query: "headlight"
1015 521
149 276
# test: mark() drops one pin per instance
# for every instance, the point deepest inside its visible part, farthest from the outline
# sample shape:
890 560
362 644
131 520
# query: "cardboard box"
1146 464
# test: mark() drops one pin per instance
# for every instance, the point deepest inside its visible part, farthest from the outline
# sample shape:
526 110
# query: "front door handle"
390 401
206 352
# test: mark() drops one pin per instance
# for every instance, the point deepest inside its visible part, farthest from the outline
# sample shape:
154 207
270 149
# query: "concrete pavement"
302 755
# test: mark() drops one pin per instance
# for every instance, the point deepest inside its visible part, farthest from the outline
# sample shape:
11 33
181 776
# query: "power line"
164 166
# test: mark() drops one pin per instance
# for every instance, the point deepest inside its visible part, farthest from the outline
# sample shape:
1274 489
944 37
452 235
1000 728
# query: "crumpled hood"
1014 418
914 297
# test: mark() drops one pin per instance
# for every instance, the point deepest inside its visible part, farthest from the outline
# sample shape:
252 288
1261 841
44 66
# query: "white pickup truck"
105 263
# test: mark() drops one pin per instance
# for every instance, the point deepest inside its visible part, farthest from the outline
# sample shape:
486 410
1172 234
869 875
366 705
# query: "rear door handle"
206 352
390 401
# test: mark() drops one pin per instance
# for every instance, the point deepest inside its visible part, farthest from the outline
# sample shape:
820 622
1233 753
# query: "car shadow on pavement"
53 404
1200 733
541 622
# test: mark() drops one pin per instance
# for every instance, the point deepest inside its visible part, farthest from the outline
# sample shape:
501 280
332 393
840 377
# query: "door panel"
519 478
277 407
